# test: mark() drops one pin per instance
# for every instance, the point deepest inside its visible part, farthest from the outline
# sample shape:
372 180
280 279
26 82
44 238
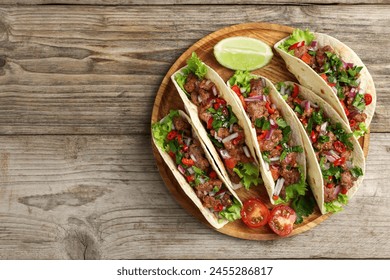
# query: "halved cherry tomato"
218 207
282 220
296 45
188 161
339 146
368 98
213 174
236 89
306 57
230 163
339 161
254 213
274 172
236 140
269 108
190 178
172 135
210 123
295 92
313 136
262 135
344 190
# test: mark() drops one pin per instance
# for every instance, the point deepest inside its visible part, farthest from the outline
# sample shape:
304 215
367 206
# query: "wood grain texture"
76 197
96 70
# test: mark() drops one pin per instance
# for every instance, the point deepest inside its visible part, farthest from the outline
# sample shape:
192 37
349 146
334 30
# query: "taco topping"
174 135
273 135
332 146
220 123
342 76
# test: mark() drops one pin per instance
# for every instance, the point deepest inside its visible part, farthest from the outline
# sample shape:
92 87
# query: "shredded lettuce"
232 212
249 174
298 35
161 129
336 206
242 80
361 131
194 65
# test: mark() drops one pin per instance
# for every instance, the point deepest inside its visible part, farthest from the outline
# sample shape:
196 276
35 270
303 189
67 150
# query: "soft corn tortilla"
188 190
314 175
310 79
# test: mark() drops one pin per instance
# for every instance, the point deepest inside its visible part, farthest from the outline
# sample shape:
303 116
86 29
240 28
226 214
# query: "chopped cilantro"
356 172
281 122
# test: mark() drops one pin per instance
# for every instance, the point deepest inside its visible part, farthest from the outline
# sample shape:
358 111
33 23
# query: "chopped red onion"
334 89
224 154
254 98
273 106
201 180
272 122
263 82
334 154
246 151
323 128
187 141
326 165
352 94
274 159
313 105
349 164
242 90
269 134
231 128
230 137
193 157
307 106
181 169
313 44
214 89
219 139
282 89
336 190
190 170
347 65
199 98
330 158
279 186
264 98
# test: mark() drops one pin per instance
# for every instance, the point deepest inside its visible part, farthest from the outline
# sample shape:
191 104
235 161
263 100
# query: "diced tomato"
296 45
296 93
344 190
216 106
332 84
275 197
313 136
230 163
236 140
262 135
282 220
236 89
278 147
218 207
210 123
345 107
172 155
303 120
185 148
254 213
368 98
213 174
172 135
323 76
339 161
306 57
190 178
180 139
339 146
330 185
269 108
187 161
275 172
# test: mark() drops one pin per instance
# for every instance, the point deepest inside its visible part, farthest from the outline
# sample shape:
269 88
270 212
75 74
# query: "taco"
219 122
275 134
335 159
191 163
334 72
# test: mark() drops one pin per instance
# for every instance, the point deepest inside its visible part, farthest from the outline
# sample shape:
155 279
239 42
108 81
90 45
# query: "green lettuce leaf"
196 66
298 35
242 80
232 212
303 206
249 174
336 206
161 129
361 131
297 189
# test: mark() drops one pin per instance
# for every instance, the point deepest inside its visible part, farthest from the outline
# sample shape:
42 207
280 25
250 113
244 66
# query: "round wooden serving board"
167 98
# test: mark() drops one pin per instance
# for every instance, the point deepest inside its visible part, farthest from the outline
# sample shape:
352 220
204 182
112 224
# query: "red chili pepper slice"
230 163
368 98
306 57
313 136
213 174
262 135
187 161
295 92
269 108
218 207
210 123
172 135
236 140
236 89
190 178
339 146
339 161
296 45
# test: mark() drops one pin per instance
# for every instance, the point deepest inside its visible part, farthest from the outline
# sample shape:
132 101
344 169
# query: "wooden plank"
191 2
96 70
101 197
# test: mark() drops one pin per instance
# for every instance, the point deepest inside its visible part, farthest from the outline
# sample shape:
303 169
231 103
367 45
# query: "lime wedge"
242 53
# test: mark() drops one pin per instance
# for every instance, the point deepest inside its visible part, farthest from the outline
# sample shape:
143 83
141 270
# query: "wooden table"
77 176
